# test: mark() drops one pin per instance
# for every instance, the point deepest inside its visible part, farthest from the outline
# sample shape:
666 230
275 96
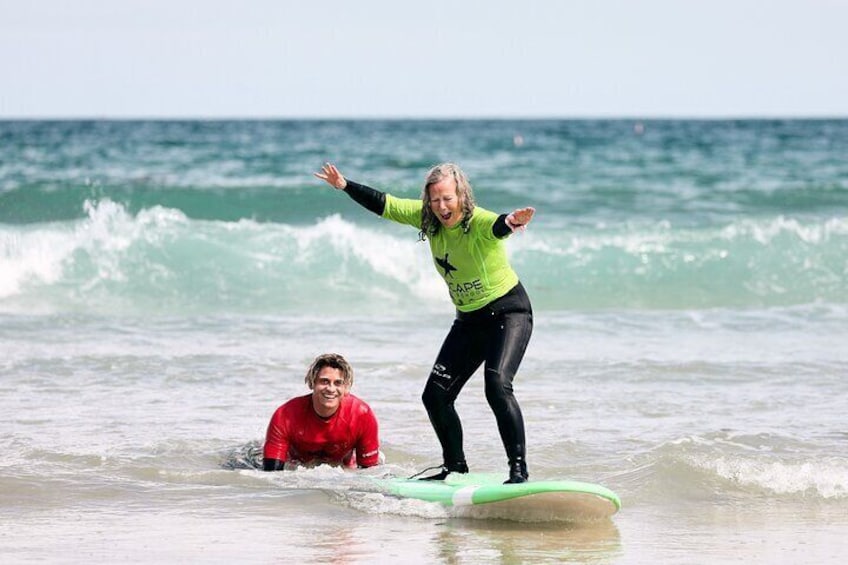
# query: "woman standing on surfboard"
494 318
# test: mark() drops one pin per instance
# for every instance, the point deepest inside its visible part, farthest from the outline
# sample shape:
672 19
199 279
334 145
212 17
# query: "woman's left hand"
518 219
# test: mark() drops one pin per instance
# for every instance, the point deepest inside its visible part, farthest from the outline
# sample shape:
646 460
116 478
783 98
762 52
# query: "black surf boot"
447 469
517 472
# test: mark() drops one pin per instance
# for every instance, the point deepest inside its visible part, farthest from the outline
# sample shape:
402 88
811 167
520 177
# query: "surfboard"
560 500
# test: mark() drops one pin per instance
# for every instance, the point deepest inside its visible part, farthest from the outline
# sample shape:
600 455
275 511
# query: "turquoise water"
225 217
163 286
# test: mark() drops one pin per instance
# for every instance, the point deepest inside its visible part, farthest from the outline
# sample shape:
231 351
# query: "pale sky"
427 58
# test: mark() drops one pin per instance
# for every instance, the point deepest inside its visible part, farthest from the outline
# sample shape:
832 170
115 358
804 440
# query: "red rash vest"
348 437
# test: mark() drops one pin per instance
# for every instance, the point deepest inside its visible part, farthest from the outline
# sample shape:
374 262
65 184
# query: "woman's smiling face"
444 202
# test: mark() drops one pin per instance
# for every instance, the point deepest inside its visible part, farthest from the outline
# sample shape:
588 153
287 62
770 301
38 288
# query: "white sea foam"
385 254
826 477
158 258
43 253
766 462
31 256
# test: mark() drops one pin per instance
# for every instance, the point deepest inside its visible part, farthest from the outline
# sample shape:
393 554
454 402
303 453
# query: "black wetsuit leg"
497 334
462 352
506 350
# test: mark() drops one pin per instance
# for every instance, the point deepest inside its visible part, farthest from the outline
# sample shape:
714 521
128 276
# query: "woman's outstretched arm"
365 196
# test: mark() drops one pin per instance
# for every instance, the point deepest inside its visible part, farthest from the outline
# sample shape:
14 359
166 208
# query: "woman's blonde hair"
430 224
333 360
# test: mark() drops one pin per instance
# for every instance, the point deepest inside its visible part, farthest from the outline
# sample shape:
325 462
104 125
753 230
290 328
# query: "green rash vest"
474 265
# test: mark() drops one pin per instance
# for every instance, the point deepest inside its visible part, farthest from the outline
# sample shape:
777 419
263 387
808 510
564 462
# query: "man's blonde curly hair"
333 360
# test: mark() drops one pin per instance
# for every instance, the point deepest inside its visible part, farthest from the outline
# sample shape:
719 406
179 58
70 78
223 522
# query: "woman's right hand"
331 175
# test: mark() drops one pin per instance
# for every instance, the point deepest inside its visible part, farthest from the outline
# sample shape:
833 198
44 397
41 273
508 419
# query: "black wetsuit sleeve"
273 465
367 197
499 228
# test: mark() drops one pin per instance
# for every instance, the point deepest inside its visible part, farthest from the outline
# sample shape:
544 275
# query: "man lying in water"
330 425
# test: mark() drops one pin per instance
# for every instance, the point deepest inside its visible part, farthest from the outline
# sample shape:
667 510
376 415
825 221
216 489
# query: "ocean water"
163 286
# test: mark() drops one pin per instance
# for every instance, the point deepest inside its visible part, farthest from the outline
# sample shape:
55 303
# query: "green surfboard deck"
587 499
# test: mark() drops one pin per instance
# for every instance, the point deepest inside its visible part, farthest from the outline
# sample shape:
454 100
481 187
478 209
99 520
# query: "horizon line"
317 118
